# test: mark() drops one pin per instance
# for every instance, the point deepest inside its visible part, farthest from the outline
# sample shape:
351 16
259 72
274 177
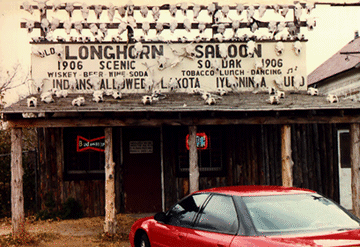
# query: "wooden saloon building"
166 138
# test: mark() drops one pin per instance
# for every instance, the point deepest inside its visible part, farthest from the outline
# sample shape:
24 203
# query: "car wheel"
144 241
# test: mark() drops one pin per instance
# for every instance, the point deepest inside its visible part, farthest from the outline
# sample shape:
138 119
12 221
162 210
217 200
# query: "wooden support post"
110 209
286 160
17 196
194 173
355 167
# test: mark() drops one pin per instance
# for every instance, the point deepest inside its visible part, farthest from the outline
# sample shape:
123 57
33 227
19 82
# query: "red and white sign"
96 144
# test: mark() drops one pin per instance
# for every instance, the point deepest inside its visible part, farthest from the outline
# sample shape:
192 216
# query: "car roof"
256 190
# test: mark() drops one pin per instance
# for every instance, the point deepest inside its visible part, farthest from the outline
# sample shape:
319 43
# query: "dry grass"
81 232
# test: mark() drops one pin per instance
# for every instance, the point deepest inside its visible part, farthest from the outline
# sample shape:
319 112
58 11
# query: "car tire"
144 241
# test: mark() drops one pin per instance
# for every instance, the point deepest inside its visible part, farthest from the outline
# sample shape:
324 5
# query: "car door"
216 224
179 220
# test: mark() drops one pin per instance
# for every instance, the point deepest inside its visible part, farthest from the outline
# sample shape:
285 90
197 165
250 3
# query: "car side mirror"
160 217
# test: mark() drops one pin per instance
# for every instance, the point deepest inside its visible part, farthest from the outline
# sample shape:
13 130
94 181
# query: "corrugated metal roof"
338 63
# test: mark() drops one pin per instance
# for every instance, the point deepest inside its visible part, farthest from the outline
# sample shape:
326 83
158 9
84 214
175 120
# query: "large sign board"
190 66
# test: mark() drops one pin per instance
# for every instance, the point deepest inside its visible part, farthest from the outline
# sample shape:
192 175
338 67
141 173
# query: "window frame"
245 224
235 207
183 155
70 134
339 147
196 214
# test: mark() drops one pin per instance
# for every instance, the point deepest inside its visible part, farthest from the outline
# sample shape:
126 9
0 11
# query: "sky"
335 27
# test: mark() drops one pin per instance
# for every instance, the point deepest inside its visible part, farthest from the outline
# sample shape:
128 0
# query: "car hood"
338 238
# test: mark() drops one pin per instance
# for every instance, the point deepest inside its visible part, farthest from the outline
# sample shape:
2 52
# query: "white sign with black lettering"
141 147
207 66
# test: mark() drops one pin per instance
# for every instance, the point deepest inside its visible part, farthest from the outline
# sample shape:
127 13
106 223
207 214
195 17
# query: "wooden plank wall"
170 161
315 157
257 155
89 193
314 153
254 158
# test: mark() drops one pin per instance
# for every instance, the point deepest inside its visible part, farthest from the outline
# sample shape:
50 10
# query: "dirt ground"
81 232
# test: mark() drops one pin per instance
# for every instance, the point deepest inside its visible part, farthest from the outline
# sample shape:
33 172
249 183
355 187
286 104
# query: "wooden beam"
355 167
286 159
17 196
110 209
106 122
194 173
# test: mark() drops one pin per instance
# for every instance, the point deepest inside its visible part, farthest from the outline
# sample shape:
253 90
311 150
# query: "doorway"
142 170
344 169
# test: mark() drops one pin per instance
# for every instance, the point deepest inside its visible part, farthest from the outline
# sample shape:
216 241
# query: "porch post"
355 167
17 196
286 160
193 160
110 210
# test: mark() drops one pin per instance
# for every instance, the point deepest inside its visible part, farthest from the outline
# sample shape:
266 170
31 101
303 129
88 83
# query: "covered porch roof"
183 109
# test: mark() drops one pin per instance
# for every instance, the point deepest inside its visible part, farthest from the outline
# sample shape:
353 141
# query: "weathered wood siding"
89 193
254 158
257 155
314 153
343 84
315 158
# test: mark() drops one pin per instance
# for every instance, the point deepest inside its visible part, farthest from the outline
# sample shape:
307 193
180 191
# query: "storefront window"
210 151
84 153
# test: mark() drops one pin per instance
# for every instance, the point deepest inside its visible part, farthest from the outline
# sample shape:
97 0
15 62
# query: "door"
344 169
142 170
165 235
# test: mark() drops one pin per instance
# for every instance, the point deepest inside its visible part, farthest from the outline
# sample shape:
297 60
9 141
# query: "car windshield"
282 214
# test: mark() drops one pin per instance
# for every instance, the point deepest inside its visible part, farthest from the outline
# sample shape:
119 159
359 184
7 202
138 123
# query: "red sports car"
249 216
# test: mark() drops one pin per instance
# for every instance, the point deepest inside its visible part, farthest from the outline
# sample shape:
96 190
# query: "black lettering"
145 52
137 84
131 52
197 83
232 51
83 52
97 52
82 84
128 83
157 52
102 65
116 64
102 84
209 51
89 86
106 55
67 54
238 65
198 50
243 51
119 52
257 50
